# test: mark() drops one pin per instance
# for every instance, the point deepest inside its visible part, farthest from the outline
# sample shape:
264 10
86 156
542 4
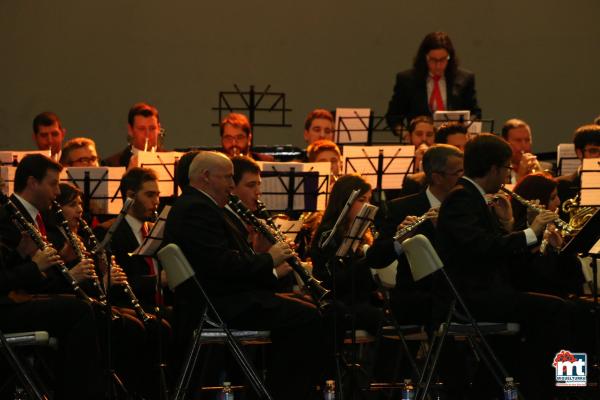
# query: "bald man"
241 283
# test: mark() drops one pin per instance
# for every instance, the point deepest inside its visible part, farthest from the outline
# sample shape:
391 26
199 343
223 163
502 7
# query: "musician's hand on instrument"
117 275
528 165
282 270
541 220
26 247
502 207
83 271
45 258
553 236
280 252
408 220
432 215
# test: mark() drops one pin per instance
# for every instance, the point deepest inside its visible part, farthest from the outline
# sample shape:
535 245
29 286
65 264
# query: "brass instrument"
564 228
30 230
318 293
578 215
103 260
402 233
77 249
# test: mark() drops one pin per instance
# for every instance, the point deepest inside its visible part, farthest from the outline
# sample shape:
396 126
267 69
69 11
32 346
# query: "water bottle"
329 392
510 390
408 392
227 392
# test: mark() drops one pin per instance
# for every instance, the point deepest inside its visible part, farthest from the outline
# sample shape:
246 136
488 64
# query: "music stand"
100 187
567 161
14 157
590 183
394 166
149 248
295 186
352 125
164 164
255 103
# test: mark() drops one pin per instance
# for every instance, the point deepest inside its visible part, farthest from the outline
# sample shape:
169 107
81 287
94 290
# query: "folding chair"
179 271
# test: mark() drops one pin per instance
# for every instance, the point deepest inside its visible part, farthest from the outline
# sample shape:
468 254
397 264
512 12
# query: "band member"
351 279
545 270
421 134
240 282
318 125
143 134
140 184
518 134
324 150
452 133
236 137
477 244
48 133
411 301
79 152
27 270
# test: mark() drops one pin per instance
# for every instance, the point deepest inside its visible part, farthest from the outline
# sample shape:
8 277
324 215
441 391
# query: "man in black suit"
240 282
25 273
143 132
435 83
587 145
411 301
477 243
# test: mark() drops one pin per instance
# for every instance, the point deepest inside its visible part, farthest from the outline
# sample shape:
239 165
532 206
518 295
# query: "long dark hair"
342 189
435 40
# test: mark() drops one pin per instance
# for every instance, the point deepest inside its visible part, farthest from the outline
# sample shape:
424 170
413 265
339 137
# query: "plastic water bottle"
408 392
227 392
329 392
510 390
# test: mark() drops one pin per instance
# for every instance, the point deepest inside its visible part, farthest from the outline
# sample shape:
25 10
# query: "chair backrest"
175 264
387 275
422 257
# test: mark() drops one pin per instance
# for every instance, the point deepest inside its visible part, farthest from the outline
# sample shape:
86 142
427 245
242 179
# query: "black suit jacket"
475 250
120 159
410 96
382 253
236 279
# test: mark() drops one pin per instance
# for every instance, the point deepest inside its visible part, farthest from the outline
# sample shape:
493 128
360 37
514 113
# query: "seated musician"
421 134
241 282
453 133
350 280
79 152
318 125
236 137
48 133
518 134
26 271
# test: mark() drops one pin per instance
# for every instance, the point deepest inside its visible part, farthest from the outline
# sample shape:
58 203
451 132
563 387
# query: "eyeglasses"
85 160
238 138
442 60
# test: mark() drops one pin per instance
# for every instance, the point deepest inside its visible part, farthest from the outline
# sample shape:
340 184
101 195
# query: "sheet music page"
105 197
163 163
289 228
590 182
9 156
152 242
570 162
364 161
352 125
275 188
8 176
358 228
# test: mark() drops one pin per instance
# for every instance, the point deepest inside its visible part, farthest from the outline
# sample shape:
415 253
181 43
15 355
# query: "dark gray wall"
89 61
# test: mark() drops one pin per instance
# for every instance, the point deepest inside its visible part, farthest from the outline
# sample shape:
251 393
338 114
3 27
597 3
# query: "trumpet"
30 230
402 233
318 293
103 260
563 226
77 248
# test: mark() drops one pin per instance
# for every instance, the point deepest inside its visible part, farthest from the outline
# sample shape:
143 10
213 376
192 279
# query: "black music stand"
292 190
164 164
255 103
352 126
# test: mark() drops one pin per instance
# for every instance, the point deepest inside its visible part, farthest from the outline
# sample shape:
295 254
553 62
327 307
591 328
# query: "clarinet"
77 249
103 260
30 230
318 293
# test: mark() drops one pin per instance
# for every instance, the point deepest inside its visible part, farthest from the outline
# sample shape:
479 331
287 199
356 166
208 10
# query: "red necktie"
152 268
436 103
40 223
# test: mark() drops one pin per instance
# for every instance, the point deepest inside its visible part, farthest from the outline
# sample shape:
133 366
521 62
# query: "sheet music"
152 242
105 197
8 176
565 152
590 182
352 125
439 117
289 228
359 226
7 157
163 163
310 180
364 161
